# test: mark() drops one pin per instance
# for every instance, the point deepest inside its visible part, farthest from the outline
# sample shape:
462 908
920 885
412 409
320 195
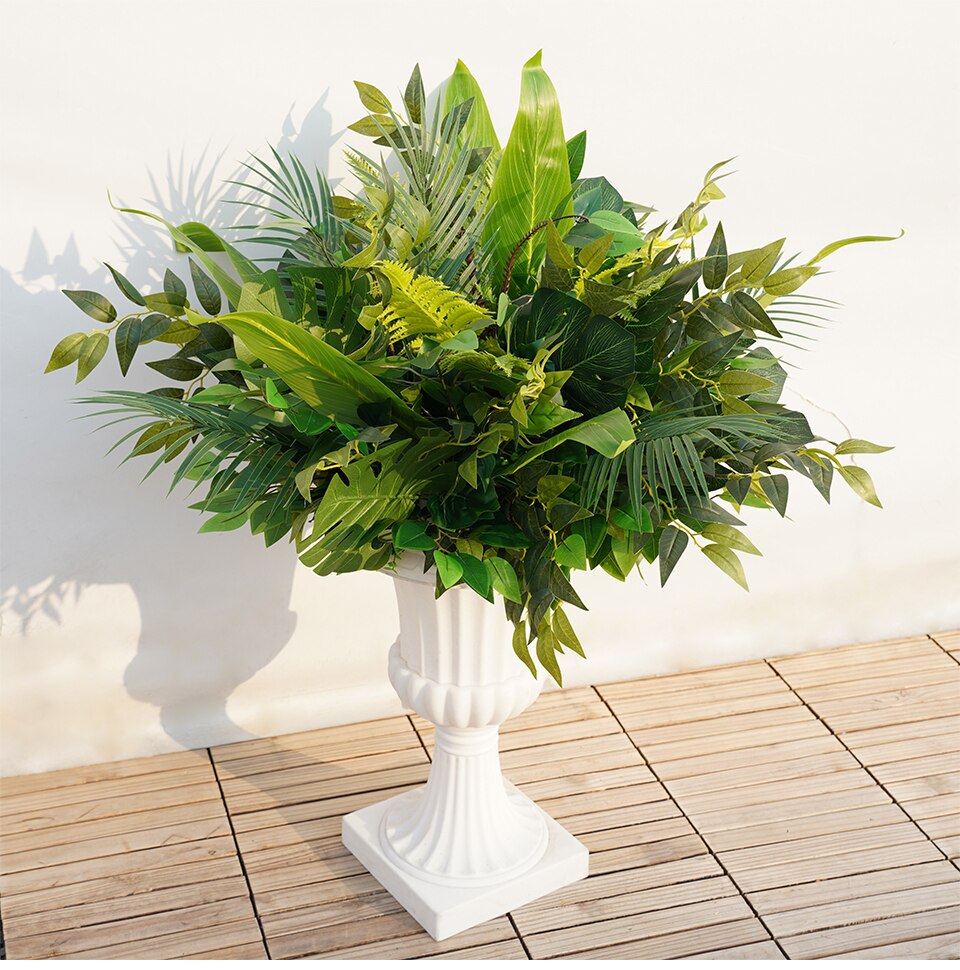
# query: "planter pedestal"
468 846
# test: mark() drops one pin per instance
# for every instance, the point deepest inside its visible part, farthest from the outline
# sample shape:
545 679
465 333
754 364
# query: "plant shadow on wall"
212 613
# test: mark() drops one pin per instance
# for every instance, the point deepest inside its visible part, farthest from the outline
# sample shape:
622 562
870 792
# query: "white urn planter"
468 845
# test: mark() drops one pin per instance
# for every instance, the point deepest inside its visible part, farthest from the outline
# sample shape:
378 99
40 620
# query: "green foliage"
477 356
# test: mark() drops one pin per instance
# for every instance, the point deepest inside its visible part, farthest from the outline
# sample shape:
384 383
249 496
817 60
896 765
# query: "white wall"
125 634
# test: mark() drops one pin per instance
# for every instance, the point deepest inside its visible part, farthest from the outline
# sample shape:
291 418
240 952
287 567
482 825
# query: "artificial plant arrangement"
477 353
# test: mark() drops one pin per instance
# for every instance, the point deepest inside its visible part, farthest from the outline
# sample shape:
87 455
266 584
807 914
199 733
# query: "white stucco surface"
125 634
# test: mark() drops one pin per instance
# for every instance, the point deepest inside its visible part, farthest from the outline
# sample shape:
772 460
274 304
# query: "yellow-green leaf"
861 482
478 132
373 98
728 561
66 352
532 179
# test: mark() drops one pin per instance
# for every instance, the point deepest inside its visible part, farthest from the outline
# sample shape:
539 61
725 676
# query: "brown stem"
516 250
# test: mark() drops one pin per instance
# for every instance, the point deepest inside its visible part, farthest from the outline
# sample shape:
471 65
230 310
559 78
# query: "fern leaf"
422 306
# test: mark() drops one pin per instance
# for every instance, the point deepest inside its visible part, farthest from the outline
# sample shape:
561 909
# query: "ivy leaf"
93 304
521 649
125 286
475 575
127 339
670 549
728 561
504 579
861 482
208 293
449 568
858 446
572 552
66 352
91 353
412 535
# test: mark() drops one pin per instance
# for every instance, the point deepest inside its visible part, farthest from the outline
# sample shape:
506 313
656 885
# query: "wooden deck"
801 807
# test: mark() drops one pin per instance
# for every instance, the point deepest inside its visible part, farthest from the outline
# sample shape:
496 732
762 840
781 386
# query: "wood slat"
949 640
733 792
847 939
848 888
626 929
686 943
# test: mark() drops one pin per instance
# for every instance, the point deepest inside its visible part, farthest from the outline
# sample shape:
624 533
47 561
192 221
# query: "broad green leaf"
169 304
840 243
715 262
727 535
304 481
576 150
414 97
125 286
787 280
602 355
861 482
608 434
572 552
521 649
91 353
449 568
558 251
504 579
594 253
177 368
66 352
127 339
321 376
475 575
208 293
532 179
858 446
93 304
373 125
173 284
503 536
564 632
627 238
740 383
777 489
728 561
154 325
226 521
756 263
750 314
478 132
669 550
373 98
273 396
412 535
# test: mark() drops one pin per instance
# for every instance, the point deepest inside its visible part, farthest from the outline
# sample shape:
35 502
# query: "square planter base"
445 910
